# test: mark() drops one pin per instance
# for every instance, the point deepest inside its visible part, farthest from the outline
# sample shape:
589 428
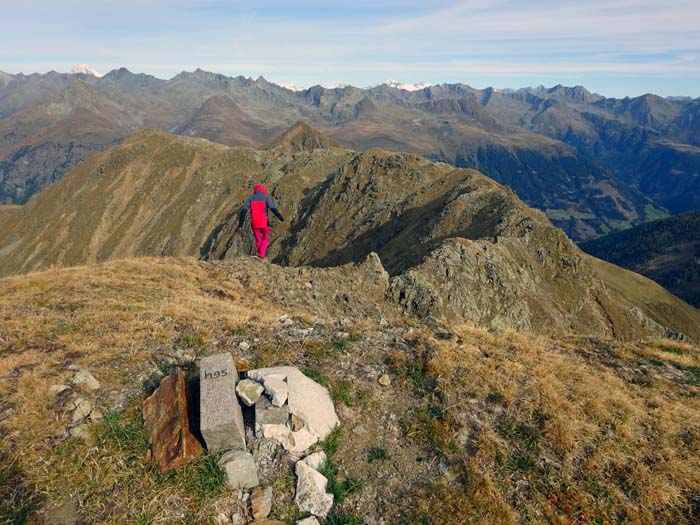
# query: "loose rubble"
240 469
311 495
249 391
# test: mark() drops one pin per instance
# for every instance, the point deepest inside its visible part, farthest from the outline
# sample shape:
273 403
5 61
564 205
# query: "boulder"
221 417
307 400
240 469
249 391
167 420
311 493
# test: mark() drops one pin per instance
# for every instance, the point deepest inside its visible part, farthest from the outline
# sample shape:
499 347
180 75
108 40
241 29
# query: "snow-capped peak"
407 87
290 86
85 70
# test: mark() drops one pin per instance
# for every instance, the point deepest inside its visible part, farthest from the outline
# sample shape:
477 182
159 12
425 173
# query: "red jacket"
258 204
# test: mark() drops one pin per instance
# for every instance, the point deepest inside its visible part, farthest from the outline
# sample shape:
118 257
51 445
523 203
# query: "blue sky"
614 47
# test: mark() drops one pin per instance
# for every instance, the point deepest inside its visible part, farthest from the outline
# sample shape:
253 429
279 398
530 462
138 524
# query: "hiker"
258 203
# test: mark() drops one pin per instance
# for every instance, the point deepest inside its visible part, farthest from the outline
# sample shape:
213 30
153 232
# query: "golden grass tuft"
609 428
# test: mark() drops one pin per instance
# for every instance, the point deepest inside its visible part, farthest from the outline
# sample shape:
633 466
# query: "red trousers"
262 239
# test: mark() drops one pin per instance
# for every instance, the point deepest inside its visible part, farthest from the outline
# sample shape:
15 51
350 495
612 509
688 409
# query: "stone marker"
241 472
167 421
82 410
249 391
221 417
311 493
261 502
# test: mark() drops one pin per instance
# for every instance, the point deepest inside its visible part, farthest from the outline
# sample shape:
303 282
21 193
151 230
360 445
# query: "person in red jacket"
258 204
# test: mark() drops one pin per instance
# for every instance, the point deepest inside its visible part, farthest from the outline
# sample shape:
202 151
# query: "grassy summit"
483 427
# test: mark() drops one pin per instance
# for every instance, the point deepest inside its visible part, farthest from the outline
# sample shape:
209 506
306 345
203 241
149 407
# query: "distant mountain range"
593 164
667 251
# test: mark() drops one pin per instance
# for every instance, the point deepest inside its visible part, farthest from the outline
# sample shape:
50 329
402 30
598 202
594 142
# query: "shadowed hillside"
667 251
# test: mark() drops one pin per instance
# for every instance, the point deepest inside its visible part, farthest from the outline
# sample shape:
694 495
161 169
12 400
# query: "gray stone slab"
240 469
221 417
268 414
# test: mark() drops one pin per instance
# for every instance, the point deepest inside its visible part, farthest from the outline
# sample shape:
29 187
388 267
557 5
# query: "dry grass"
533 430
110 319
566 432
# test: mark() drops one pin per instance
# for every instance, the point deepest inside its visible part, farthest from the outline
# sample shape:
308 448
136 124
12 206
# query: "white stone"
80 431
82 409
384 380
244 345
315 460
277 388
55 390
311 520
299 441
311 493
249 391
241 472
306 399
86 380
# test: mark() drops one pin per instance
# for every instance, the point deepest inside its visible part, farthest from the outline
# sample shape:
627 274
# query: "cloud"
361 42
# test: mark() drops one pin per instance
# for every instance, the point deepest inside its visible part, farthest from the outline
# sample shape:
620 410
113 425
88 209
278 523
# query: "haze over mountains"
593 164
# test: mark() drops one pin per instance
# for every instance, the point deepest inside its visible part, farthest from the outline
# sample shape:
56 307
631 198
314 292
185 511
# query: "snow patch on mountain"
85 70
406 86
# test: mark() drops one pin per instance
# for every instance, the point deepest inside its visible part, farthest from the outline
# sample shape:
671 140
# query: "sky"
613 47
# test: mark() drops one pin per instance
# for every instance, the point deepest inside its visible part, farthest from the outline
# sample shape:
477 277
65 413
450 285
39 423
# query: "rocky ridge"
456 244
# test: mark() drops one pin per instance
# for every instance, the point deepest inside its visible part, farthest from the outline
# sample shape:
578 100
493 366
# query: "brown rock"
297 423
261 502
167 421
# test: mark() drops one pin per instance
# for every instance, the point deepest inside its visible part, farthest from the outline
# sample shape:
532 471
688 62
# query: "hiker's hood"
261 188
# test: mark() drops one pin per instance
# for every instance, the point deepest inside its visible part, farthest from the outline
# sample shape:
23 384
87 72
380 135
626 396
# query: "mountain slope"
588 187
159 194
667 251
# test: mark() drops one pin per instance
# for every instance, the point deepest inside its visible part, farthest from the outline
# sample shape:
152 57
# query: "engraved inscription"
218 373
